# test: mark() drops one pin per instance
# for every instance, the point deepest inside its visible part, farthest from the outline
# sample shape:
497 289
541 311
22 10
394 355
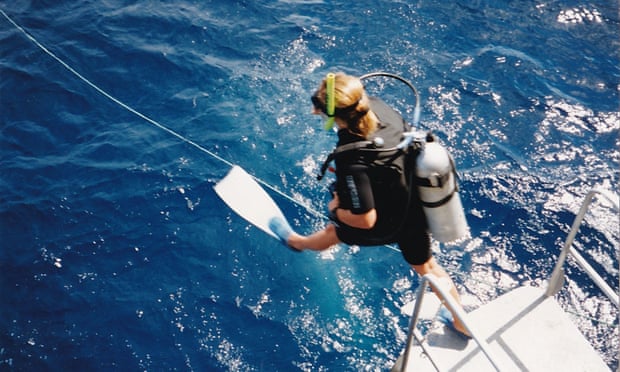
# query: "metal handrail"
456 310
557 277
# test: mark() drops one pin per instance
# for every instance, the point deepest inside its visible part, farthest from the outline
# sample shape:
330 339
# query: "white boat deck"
525 331
522 330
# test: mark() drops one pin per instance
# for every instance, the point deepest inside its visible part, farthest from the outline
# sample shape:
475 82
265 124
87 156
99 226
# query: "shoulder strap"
339 150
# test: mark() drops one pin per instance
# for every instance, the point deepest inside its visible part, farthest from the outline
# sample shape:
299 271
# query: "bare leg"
431 266
317 241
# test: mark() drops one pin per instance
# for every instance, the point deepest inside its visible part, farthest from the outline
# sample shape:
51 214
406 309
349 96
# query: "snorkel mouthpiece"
330 100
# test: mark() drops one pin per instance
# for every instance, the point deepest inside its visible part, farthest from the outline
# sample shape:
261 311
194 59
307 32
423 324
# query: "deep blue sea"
118 117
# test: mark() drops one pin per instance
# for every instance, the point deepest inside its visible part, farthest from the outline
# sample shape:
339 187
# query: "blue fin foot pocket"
282 229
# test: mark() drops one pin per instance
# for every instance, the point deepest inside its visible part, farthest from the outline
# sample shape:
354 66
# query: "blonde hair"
352 104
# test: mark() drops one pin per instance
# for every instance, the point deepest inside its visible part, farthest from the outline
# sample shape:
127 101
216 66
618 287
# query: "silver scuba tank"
437 186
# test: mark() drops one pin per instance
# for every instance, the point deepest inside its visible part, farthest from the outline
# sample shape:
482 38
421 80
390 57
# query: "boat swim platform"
524 329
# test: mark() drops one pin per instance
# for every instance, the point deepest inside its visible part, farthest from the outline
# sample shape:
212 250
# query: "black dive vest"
387 166
380 150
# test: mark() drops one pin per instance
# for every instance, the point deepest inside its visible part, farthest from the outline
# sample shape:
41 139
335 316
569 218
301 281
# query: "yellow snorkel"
330 100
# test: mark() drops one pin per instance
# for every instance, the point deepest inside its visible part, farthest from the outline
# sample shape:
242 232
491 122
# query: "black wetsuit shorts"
413 238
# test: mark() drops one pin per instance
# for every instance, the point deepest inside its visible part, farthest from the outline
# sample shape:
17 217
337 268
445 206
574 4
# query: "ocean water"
117 118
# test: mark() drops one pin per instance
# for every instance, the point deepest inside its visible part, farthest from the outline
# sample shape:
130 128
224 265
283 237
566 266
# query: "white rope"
146 118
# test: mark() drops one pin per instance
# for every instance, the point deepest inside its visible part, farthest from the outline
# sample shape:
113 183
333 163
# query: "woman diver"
365 208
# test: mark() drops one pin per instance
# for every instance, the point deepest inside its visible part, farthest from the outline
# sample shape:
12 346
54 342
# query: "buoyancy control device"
426 166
